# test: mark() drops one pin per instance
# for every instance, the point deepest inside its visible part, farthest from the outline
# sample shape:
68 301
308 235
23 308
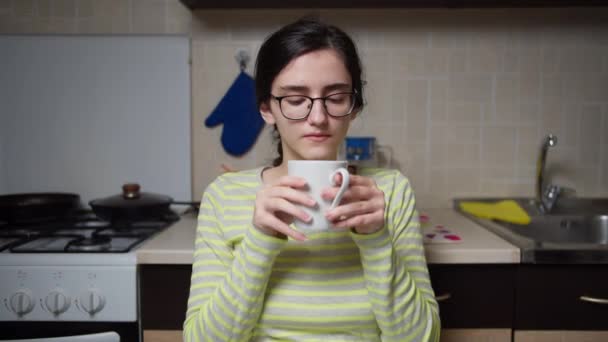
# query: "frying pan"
37 207
134 205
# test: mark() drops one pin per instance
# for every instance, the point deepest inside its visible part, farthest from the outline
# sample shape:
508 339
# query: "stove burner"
92 244
92 224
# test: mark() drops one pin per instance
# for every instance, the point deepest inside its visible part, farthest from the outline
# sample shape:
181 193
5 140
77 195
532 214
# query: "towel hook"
242 57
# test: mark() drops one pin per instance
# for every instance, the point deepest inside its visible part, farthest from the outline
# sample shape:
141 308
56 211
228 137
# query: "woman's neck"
271 175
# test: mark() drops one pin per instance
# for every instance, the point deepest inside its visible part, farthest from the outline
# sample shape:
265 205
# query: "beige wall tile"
148 16
44 8
64 8
498 146
580 59
458 60
179 17
6 5
529 86
470 87
485 60
24 8
85 8
591 134
464 113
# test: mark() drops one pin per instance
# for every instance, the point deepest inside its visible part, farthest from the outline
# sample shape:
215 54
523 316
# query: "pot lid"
132 196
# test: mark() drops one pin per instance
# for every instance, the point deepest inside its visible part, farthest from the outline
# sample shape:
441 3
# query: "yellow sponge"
506 210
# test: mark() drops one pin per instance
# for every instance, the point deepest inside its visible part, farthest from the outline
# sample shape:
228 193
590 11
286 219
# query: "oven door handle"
101 337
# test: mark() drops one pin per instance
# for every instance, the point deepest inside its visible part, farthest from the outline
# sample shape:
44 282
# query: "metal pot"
37 207
134 205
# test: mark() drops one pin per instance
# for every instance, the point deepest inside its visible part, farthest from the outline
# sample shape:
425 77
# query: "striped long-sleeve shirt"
336 286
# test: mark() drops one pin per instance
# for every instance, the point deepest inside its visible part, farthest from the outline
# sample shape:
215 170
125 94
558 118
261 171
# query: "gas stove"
80 233
78 269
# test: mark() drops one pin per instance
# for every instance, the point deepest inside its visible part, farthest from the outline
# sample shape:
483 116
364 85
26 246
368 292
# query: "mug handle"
343 187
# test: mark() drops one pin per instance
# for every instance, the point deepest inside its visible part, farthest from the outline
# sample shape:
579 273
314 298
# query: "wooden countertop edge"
179 242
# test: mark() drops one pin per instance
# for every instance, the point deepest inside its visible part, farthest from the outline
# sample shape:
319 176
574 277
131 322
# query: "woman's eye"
338 98
295 100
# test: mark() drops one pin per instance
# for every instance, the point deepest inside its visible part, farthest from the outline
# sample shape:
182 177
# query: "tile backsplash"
462 96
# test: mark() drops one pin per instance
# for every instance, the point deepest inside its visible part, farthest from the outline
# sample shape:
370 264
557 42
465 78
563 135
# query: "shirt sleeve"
228 283
396 273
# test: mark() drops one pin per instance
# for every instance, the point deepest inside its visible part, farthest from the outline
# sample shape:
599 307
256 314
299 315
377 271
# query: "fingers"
354 209
292 182
280 205
291 195
354 193
276 207
271 223
355 180
372 219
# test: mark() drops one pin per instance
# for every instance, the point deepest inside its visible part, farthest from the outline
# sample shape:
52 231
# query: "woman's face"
316 74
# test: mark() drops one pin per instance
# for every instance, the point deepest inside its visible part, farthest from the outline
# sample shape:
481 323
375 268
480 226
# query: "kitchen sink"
574 231
565 229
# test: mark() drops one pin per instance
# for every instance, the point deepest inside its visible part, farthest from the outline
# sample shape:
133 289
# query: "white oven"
57 295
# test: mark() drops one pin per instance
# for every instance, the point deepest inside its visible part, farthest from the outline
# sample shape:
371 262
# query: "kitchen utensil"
506 210
33 207
134 205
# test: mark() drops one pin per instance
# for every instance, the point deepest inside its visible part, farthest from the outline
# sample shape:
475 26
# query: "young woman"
254 277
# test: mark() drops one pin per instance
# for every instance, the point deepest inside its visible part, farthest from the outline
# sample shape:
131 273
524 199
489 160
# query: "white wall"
86 114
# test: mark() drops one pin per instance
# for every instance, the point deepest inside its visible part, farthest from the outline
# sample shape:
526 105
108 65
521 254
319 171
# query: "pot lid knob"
130 190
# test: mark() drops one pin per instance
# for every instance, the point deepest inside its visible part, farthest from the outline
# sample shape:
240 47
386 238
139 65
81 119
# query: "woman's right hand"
276 207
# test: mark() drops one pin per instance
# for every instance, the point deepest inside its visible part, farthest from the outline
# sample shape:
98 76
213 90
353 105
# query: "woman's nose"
318 114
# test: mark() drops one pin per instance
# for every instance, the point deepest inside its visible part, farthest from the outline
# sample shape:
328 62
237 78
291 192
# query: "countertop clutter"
175 245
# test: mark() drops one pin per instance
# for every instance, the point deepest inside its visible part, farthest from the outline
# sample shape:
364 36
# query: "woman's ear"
266 113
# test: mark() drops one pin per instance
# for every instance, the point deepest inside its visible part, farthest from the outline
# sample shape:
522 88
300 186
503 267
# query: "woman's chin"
318 155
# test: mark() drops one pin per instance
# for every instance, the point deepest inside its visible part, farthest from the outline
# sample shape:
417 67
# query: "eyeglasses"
298 107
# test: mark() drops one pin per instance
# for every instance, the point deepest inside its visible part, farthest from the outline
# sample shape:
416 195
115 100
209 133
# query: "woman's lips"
317 137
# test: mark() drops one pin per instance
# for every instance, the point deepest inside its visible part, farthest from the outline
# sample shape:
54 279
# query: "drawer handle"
594 300
443 297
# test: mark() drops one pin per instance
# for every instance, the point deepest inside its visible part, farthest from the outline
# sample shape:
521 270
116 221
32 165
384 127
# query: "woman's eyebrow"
330 87
295 88
337 86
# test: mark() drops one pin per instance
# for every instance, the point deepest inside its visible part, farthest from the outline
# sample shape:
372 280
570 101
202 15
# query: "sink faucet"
546 196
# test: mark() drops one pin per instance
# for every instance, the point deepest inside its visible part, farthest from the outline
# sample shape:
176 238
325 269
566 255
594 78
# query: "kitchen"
464 96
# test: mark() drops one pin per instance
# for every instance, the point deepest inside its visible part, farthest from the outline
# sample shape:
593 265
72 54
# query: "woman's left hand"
361 208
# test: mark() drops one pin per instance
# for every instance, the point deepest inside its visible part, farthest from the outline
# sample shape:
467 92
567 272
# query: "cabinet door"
557 297
164 296
474 296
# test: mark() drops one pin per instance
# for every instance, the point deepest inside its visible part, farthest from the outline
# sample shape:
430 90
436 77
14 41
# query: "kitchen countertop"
175 245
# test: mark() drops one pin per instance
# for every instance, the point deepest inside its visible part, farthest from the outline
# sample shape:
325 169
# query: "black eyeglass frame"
353 95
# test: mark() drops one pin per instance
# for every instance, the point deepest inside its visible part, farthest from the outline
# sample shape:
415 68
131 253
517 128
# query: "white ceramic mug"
319 175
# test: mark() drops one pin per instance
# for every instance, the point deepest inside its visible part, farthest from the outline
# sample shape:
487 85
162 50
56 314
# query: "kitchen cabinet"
164 293
474 299
470 296
549 297
219 4
474 296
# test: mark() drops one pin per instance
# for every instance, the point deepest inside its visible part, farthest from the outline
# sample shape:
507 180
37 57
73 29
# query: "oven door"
70 331
102 337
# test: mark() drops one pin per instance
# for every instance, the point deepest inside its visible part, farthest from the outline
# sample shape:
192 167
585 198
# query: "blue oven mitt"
239 113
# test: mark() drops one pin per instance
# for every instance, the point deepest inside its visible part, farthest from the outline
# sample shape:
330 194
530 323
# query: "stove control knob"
22 302
92 301
57 302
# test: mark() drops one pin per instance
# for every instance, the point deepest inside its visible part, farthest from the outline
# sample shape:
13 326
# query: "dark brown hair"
294 40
